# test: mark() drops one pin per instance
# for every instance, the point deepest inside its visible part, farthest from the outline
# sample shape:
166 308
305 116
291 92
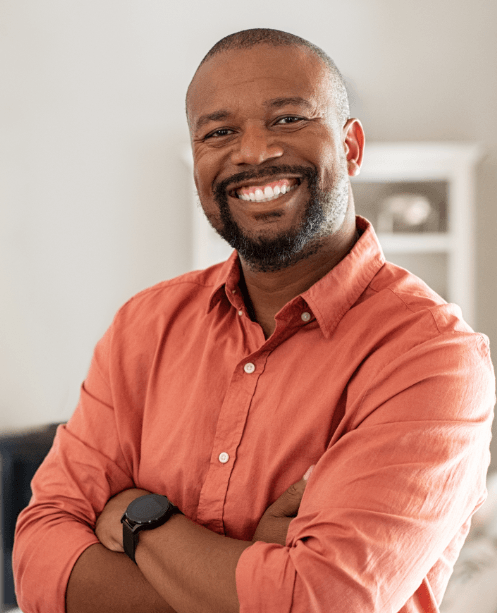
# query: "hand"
273 525
109 529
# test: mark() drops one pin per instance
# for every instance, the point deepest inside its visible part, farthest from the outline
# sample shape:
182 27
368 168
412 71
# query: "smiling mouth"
265 192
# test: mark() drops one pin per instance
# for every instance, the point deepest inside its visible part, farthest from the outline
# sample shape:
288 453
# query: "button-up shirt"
369 375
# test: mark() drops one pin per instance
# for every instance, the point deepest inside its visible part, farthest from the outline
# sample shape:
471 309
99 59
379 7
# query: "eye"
289 119
218 133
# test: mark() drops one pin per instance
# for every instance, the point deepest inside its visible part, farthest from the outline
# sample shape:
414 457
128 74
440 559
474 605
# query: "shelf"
415 243
417 160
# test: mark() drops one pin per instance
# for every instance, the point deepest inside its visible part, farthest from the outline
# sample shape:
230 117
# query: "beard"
281 250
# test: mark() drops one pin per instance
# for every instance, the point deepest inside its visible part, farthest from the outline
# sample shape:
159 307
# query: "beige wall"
93 194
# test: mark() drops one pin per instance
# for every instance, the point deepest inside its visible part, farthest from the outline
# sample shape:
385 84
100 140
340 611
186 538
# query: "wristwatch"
144 513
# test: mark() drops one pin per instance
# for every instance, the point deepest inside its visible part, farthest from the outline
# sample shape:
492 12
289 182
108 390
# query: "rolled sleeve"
389 502
84 468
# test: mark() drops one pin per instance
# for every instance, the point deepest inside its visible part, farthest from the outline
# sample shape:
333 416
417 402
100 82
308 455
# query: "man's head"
246 39
267 109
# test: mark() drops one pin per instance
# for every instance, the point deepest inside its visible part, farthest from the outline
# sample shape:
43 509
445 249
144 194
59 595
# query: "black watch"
144 513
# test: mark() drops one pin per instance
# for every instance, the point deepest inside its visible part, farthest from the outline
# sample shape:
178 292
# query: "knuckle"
294 490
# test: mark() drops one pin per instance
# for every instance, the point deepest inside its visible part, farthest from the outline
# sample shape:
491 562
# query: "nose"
255 146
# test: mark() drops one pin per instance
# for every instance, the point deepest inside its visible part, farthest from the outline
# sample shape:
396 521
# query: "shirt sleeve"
390 500
84 468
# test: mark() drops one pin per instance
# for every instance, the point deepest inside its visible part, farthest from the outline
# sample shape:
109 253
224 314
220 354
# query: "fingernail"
308 472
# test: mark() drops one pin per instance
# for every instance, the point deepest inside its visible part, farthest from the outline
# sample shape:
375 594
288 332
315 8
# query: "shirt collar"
330 297
334 294
226 281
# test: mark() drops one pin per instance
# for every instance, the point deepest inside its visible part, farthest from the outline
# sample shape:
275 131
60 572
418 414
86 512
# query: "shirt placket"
236 407
229 432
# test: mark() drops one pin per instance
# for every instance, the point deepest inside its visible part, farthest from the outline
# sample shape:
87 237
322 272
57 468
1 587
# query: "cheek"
205 170
204 191
203 183
333 168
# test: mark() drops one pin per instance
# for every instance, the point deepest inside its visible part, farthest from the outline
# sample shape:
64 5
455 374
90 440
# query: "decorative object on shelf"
406 212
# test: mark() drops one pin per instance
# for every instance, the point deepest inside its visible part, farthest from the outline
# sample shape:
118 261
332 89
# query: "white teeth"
268 193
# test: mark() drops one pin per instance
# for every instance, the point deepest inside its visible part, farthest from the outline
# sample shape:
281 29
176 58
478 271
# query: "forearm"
104 580
190 566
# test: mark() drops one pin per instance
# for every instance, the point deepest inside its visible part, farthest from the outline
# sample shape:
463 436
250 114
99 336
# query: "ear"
353 142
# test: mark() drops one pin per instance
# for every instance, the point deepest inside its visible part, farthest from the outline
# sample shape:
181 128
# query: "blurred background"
95 196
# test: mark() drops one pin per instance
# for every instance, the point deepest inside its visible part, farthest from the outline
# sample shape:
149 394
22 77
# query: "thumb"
287 505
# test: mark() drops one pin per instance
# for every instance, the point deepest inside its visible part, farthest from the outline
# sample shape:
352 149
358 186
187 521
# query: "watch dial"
148 508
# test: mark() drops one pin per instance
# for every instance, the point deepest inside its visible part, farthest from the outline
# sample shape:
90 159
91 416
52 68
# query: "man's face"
263 121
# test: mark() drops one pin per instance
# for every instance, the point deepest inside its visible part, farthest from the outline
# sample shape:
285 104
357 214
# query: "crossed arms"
188 565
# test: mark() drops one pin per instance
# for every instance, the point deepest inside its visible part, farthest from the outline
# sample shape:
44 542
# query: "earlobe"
353 168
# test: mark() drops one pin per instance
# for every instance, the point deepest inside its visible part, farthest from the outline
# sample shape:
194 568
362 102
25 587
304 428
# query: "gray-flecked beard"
269 254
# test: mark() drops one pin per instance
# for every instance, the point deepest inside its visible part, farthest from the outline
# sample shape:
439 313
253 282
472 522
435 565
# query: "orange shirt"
369 375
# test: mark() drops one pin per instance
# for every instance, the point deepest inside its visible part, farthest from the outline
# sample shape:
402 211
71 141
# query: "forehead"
243 78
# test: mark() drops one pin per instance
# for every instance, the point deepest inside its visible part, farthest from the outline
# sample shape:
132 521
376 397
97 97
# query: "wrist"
143 514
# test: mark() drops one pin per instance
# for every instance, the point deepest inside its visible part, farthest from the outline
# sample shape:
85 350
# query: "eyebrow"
275 103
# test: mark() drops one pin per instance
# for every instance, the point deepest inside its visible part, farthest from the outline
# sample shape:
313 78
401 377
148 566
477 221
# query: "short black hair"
245 39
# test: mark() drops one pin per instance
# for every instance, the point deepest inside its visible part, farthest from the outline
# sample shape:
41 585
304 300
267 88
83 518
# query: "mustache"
305 172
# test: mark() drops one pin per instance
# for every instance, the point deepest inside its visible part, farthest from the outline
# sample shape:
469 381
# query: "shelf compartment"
370 199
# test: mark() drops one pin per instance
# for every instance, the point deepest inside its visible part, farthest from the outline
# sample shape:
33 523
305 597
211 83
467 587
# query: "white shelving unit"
442 171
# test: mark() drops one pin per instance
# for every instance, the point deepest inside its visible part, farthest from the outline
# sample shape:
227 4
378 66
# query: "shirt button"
224 457
240 313
249 368
305 316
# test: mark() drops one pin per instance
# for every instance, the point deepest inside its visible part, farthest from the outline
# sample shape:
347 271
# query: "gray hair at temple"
277 38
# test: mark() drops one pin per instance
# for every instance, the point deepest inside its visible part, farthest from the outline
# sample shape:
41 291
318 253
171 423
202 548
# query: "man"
219 389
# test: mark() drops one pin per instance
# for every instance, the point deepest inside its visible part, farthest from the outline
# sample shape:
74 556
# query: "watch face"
148 508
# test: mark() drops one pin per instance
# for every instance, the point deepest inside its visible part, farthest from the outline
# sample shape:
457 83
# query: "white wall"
93 193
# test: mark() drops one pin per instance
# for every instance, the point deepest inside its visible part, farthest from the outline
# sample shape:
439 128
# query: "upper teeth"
269 193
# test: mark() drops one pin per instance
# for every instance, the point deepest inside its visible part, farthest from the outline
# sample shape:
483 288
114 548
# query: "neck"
266 293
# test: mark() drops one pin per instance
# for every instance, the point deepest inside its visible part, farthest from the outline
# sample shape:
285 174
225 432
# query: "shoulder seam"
477 338
428 309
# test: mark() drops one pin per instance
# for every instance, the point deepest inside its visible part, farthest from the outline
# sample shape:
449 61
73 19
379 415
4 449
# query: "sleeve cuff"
265 578
51 562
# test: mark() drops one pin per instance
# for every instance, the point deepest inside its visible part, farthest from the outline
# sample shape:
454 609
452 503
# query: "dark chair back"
20 456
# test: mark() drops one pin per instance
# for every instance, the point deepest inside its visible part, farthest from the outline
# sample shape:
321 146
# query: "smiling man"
306 353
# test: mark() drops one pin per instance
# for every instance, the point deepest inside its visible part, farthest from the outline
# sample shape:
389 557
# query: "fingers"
287 505
308 473
273 525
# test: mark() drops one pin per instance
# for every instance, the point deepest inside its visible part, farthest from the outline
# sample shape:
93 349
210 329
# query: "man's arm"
105 580
198 572
55 541
55 533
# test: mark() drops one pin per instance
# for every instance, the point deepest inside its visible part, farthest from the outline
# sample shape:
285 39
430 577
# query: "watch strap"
130 540
131 532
